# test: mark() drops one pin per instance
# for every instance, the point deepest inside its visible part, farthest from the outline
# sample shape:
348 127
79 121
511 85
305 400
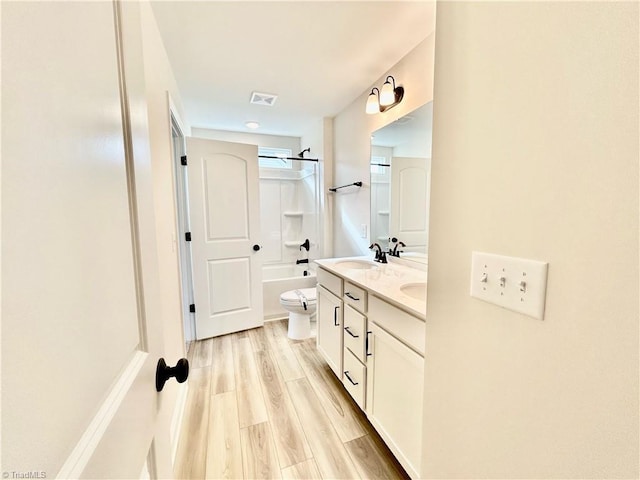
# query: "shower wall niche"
289 212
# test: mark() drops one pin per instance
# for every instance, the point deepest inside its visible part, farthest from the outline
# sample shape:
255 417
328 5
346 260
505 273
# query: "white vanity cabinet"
395 382
330 319
373 337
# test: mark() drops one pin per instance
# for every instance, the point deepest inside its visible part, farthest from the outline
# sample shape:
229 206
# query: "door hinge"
192 308
187 236
183 160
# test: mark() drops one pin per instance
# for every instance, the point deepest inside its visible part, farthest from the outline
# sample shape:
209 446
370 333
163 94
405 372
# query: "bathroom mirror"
400 181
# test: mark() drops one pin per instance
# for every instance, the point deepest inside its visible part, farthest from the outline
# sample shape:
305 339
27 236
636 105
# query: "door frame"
181 205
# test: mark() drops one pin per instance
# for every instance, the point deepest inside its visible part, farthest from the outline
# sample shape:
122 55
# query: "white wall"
352 136
319 138
535 154
262 140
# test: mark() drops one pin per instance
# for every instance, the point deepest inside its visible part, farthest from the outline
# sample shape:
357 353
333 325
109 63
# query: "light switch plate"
514 283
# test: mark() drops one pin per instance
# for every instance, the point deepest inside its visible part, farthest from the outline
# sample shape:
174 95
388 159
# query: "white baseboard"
176 420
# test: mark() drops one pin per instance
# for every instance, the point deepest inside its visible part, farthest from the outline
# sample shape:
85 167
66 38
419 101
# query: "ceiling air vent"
267 99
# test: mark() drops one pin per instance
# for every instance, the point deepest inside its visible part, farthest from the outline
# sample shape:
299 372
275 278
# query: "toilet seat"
301 305
292 298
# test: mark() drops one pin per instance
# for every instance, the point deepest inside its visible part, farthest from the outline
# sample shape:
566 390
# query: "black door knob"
256 247
164 372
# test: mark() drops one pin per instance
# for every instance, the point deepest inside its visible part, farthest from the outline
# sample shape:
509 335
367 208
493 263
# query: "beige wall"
352 146
535 155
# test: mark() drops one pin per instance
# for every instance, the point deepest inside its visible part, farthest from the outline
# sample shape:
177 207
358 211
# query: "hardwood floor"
263 406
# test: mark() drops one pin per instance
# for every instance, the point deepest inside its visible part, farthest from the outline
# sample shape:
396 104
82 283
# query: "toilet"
301 305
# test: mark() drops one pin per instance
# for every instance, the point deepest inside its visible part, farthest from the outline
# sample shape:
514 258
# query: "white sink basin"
415 290
356 264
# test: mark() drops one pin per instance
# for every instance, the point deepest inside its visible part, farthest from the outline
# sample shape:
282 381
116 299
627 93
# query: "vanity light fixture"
389 97
253 125
373 104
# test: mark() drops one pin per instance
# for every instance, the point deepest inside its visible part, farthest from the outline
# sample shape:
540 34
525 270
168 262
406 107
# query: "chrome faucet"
380 255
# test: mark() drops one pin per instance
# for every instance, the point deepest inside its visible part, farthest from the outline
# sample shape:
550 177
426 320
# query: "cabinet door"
329 338
394 396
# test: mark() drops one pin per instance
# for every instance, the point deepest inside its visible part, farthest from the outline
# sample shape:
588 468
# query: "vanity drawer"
355 375
355 296
405 327
355 332
331 282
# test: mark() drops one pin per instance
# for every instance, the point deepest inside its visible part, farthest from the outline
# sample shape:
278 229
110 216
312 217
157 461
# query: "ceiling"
317 56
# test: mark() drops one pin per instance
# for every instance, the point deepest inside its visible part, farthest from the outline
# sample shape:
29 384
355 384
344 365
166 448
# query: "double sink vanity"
371 315
371 331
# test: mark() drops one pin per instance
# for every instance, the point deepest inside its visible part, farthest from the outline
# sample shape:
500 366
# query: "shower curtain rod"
290 158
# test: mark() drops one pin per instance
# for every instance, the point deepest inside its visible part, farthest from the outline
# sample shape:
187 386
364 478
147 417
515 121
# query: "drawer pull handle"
366 345
351 333
348 294
335 316
346 374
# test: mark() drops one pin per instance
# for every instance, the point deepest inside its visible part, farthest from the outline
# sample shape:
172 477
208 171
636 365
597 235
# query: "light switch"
514 283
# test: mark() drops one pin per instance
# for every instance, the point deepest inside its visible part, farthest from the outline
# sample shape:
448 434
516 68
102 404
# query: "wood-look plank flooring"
263 406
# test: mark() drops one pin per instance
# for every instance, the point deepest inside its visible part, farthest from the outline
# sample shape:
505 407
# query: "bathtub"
281 278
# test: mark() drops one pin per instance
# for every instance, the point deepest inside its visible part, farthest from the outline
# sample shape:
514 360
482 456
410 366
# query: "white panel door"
225 236
81 330
408 215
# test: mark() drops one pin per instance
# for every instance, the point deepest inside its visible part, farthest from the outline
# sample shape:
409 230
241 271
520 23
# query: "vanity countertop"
383 280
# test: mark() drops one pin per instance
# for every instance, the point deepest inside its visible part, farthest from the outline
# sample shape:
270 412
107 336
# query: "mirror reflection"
400 180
